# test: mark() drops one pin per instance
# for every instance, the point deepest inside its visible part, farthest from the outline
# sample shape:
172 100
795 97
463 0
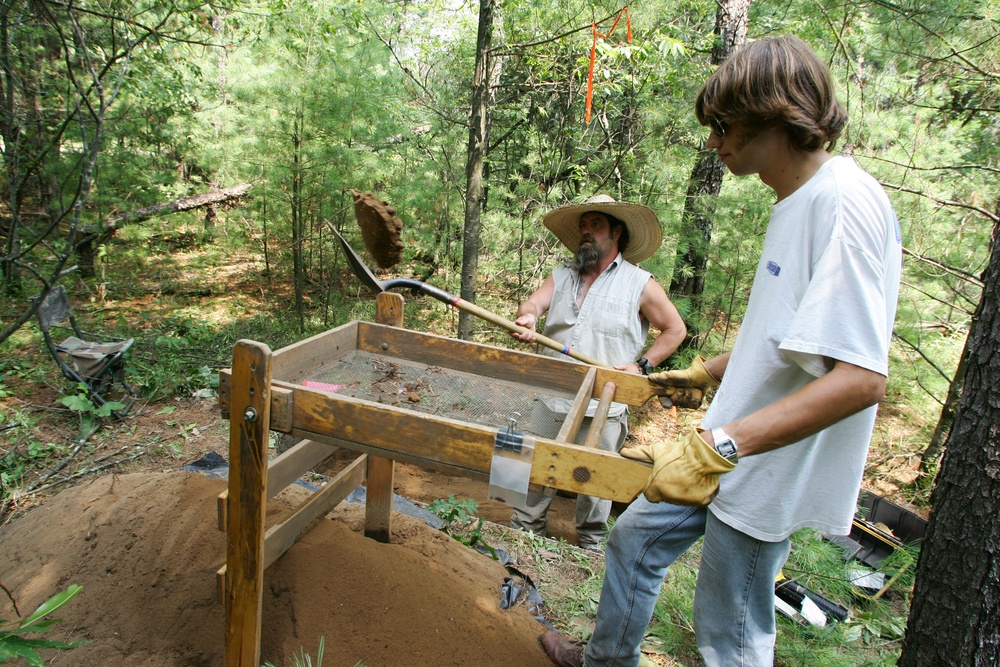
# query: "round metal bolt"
250 414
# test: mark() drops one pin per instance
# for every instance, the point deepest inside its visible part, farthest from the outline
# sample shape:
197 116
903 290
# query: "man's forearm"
844 391
665 344
717 365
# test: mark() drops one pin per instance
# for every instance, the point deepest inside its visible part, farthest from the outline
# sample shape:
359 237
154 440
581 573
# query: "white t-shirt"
826 286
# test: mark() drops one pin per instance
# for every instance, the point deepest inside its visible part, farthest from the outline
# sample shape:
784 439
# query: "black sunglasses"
717 126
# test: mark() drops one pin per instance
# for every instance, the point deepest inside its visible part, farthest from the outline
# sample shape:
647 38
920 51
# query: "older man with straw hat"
601 304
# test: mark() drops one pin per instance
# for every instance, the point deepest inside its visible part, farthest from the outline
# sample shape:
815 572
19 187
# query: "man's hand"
528 321
685 388
685 472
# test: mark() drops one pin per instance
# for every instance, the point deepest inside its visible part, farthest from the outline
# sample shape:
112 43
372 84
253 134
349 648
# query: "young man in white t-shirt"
784 442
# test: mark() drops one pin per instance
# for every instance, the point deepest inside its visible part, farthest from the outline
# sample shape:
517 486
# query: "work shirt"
606 326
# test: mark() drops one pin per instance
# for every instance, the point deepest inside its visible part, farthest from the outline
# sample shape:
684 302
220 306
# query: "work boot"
561 651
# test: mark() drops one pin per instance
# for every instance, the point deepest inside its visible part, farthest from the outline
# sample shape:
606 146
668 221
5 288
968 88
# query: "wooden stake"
248 435
382 471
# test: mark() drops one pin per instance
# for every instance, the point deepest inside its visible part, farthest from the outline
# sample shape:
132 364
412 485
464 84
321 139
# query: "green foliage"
870 636
18 461
179 356
453 510
303 659
88 412
13 643
459 516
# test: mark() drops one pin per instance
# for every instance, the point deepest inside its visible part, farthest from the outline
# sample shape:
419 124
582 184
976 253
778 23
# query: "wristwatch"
725 445
645 366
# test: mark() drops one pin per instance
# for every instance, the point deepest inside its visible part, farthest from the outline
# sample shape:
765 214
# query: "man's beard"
586 258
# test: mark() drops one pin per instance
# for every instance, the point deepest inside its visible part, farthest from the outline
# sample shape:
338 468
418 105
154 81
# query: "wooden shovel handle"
482 313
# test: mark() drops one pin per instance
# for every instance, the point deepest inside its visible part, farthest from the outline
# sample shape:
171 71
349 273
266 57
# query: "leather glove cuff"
685 472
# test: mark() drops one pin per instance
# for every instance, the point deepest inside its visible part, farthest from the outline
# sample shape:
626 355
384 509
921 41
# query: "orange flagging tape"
593 55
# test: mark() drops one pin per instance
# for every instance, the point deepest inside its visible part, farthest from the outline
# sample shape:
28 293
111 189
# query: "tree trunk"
211 217
478 134
705 183
699 210
955 614
297 221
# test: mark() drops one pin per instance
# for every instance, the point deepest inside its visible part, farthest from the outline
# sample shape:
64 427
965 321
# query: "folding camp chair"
98 365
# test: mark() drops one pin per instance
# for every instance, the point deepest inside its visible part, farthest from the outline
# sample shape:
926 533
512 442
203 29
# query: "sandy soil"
143 542
145 547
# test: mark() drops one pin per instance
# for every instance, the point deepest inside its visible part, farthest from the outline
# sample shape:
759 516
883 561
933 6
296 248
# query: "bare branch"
949 167
930 362
965 275
986 213
406 70
517 48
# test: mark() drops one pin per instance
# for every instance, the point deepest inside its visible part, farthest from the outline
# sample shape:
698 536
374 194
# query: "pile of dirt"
145 547
380 228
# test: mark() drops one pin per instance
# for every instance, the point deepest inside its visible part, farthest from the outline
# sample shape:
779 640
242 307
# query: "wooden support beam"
248 439
281 410
292 464
600 416
571 424
282 536
382 471
283 470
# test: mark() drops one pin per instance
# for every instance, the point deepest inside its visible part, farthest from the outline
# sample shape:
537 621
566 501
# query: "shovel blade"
363 273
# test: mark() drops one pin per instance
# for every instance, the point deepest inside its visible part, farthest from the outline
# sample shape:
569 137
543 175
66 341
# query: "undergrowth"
186 319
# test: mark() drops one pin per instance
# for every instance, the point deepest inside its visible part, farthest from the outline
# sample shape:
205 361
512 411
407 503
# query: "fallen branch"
10 596
182 204
59 466
87 471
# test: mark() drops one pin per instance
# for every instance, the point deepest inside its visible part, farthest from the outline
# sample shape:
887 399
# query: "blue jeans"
734 598
591 512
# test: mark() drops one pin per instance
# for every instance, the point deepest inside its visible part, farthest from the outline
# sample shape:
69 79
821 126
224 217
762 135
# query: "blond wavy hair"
776 81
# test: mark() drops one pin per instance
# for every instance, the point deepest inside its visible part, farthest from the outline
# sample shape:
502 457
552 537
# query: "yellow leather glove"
685 472
685 388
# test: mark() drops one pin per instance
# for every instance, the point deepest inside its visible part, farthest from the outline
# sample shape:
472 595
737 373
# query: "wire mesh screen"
435 390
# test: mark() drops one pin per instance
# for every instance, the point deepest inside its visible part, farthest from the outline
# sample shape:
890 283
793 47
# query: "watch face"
727 448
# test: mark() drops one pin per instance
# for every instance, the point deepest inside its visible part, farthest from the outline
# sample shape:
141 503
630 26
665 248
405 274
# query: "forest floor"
120 517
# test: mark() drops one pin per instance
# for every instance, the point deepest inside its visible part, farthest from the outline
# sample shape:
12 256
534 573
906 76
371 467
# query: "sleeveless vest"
607 326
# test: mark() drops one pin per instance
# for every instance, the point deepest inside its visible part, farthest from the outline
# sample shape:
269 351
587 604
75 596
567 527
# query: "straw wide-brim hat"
645 235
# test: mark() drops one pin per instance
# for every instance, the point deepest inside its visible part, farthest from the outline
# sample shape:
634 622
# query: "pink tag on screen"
323 386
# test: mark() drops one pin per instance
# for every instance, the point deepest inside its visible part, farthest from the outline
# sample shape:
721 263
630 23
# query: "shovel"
371 282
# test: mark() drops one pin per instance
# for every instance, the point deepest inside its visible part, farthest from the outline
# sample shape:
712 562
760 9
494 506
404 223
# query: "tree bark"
474 191
705 183
704 186
297 216
955 614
